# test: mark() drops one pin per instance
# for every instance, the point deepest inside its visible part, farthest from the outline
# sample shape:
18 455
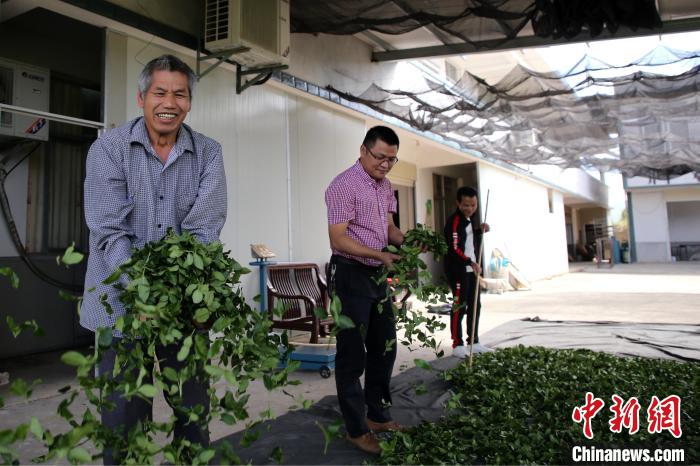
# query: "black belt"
336 259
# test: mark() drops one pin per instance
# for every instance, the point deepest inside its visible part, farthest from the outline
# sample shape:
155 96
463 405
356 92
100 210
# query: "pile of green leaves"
515 406
410 276
173 290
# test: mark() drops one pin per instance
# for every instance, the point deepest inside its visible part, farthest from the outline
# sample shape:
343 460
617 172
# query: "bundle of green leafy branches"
174 291
515 407
410 276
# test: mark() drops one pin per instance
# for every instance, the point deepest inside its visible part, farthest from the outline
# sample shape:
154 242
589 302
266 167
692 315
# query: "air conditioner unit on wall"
24 86
262 26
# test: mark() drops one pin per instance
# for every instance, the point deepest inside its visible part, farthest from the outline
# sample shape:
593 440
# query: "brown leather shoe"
367 443
389 426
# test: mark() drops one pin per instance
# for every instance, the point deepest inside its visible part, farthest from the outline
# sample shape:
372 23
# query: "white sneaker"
479 348
459 352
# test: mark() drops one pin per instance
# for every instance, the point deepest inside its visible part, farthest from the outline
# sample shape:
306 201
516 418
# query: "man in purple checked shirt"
360 205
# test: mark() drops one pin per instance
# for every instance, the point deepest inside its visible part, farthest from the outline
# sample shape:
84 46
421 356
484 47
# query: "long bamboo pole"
475 311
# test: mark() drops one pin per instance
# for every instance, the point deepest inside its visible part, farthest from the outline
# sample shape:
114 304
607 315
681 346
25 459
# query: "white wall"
116 80
342 61
574 180
651 226
424 193
651 216
521 225
323 143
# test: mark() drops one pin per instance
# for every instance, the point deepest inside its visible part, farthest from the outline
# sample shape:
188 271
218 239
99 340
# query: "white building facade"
664 218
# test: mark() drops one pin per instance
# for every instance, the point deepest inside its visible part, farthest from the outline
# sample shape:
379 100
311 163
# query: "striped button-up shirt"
131 198
355 198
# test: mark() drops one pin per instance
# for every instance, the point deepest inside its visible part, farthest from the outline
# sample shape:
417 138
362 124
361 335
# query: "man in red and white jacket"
462 269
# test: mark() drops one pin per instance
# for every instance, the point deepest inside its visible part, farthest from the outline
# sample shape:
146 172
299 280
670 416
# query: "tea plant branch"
410 276
185 293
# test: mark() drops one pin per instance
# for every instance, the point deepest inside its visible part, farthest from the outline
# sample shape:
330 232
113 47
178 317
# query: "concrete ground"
664 293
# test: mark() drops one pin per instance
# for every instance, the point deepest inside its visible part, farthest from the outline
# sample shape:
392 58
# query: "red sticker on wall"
36 126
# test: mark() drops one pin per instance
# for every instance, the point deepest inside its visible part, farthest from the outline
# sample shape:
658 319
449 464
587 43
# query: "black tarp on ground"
301 440
298 435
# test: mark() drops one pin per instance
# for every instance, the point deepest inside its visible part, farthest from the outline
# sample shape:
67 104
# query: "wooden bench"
299 288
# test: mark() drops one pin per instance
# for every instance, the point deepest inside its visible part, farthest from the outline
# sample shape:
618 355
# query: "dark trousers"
363 349
463 287
128 413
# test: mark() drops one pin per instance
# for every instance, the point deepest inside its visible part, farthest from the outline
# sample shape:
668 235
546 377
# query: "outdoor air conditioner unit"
262 26
28 87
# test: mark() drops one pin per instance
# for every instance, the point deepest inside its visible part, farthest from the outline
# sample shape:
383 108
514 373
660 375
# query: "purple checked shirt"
365 204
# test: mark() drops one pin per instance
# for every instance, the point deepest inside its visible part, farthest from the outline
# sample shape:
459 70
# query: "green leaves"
422 364
143 291
185 350
79 455
170 290
8 272
341 321
198 262
277 455
206 455
104 337
423 237
330 432
22 389
73 358
201 315
113 277
70 256
514 407
147 390
36 429
17 329
410 276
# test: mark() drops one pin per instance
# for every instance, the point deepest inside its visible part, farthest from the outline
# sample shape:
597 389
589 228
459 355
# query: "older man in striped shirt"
360 204
152 173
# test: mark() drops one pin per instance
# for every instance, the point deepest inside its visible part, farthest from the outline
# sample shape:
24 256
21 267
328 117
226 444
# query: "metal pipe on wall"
288 157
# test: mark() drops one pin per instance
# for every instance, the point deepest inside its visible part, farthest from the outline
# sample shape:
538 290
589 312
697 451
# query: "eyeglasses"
391 161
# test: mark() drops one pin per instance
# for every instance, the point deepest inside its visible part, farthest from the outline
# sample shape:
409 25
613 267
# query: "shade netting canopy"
641 117
473 21
636 118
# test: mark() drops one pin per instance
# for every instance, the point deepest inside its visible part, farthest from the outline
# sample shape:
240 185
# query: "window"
6 77
444 192
56 173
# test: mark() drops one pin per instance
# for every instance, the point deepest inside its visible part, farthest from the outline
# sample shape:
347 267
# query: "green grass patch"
515 406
